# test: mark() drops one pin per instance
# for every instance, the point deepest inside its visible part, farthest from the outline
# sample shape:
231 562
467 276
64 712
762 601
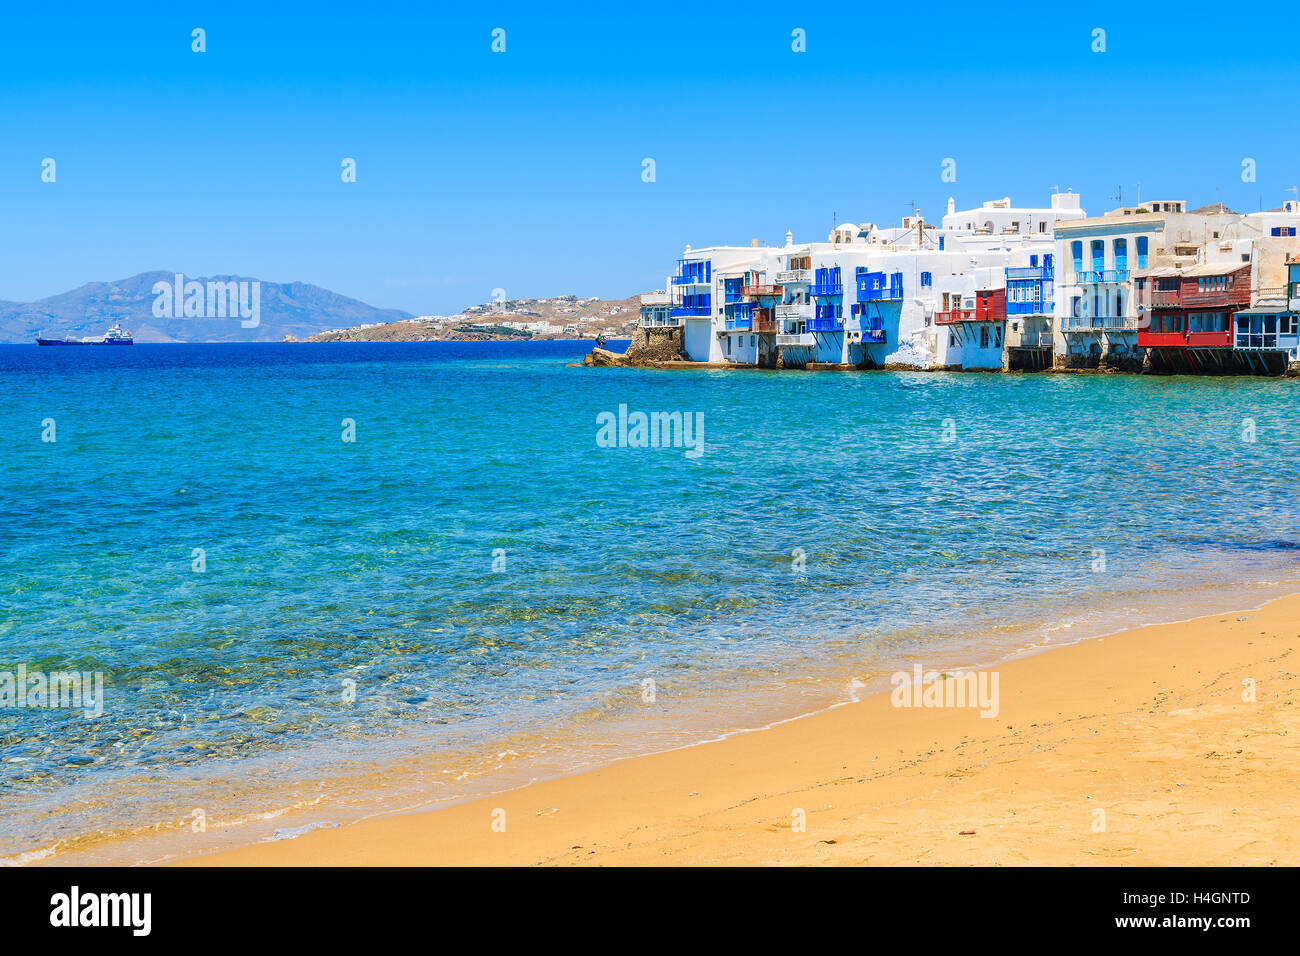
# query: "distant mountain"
285 308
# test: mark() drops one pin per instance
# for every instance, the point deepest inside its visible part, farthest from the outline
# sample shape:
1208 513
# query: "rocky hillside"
559 317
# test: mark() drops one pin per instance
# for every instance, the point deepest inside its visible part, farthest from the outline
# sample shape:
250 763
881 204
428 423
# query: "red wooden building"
1186 310
990 306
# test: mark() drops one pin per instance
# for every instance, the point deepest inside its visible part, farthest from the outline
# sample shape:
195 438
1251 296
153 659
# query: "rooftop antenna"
1119 195
1139 193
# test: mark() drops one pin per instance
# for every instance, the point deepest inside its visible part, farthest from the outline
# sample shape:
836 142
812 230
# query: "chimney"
952 205
789 238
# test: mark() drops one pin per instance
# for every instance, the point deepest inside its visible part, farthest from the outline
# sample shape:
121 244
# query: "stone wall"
648 346
657 345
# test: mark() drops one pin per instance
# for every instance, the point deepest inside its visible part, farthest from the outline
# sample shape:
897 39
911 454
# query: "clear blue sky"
522 170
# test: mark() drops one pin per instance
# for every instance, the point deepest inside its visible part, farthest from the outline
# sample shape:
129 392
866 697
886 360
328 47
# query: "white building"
914 295
1099 315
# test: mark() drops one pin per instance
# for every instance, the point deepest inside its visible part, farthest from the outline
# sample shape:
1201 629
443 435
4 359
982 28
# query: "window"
1042 226
1284 230
1098 254
984 336
753 340
1076 253
1142 251
925 278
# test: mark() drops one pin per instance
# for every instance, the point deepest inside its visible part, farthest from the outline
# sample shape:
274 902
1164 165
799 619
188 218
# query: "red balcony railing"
1238 294
1185 340
1156 340
761 289
1209 340
954 316
764 321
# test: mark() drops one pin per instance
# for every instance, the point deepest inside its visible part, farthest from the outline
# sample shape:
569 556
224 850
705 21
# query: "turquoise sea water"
474 592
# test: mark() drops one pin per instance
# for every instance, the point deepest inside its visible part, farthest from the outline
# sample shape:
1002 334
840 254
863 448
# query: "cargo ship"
114 336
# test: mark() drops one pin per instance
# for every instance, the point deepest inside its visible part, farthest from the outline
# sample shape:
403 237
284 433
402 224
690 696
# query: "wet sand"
1168 745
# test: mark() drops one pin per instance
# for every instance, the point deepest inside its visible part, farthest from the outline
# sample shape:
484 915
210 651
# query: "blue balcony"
1030 307
740 317
826 282
1094 276
872 286
680 311
693 272
828 323
1035 273
893 293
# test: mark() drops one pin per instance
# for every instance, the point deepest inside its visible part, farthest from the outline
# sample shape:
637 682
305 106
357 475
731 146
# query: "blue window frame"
925 278
1142 251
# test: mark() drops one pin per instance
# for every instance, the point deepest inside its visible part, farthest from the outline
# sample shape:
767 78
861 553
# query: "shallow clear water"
942 518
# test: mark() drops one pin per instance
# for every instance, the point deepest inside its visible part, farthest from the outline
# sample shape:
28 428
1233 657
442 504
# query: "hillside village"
539 318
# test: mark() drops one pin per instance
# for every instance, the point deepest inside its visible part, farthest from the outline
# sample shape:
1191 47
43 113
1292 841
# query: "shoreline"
880 784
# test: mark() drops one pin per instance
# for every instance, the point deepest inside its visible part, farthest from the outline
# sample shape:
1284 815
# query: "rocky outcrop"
604 358
649 346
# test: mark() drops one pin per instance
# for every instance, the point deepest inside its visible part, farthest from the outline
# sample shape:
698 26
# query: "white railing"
656 298
1029 340
1099 323
794 276
794 311
802 338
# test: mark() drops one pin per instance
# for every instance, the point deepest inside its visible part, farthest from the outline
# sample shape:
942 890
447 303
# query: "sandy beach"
1168 745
